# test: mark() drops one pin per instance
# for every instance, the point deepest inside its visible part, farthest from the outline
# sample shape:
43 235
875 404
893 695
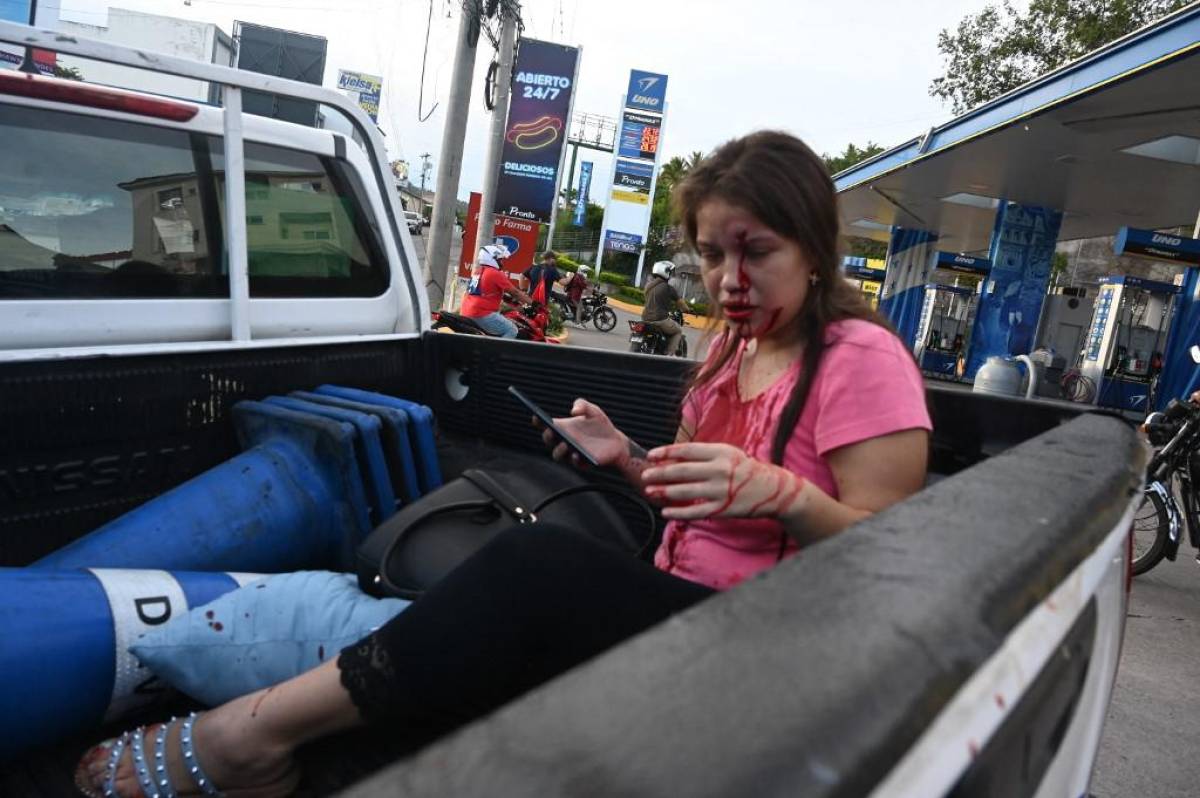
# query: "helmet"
492 255
664 269
585 270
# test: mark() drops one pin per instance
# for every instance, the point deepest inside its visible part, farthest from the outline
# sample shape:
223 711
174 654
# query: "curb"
689 319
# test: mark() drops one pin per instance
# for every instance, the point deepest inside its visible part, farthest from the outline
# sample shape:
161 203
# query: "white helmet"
664 269
492 255
585 270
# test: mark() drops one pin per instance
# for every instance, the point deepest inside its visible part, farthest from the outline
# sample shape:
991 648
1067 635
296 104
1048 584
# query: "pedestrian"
807 416
547 273
486 290
661 298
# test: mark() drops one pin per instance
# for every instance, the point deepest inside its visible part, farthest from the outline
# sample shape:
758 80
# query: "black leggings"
536 601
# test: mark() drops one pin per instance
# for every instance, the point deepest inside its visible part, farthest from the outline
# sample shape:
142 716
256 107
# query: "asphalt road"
617 340
1151 743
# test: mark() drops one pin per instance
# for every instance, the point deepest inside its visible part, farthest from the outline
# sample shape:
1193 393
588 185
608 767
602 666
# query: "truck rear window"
93 208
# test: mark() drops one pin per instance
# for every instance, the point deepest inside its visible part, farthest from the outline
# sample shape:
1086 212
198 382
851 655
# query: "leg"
496 324
674 334
534 602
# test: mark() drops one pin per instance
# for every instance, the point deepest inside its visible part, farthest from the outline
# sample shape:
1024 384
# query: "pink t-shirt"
867 385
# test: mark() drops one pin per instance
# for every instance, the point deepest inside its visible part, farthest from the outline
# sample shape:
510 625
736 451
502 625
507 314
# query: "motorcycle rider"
576 287
661 297
487 288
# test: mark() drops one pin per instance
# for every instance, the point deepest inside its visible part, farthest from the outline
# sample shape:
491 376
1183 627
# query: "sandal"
153 775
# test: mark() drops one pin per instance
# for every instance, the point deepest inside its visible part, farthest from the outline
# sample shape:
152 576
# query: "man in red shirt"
487 288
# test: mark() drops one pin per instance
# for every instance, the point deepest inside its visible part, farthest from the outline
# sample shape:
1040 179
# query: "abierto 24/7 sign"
539 112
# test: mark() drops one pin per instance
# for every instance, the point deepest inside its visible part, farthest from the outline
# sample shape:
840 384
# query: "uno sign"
647 91
1160 246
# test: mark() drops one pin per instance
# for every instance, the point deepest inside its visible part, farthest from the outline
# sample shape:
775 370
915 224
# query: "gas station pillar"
911 257
1022 251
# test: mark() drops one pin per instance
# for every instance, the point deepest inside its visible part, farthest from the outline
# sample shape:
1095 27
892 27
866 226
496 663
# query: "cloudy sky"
830 72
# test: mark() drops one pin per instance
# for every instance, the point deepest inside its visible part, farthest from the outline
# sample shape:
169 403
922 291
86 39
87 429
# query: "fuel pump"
948 314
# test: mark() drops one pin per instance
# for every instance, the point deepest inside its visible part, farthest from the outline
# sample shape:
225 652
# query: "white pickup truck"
162 260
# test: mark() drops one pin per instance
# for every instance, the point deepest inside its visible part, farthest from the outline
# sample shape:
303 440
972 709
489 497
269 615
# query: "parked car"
415 222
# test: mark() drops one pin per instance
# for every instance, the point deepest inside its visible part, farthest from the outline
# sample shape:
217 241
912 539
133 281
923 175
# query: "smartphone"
545 418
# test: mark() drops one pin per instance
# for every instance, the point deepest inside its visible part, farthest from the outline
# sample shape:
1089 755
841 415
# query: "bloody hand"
716 480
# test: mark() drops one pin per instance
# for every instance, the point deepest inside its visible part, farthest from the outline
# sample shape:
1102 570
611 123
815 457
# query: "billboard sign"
366 89
623 242
19 11
538 115
639 135
581 197
647 91
631 181
286 54
520 236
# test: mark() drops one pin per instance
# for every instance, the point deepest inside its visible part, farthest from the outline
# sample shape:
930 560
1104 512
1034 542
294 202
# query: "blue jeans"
496 324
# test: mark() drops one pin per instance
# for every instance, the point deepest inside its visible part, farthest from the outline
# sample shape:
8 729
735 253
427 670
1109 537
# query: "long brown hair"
778 179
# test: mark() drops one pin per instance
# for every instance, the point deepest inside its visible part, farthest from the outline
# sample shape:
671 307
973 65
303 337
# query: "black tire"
681 350
1150 527
605 319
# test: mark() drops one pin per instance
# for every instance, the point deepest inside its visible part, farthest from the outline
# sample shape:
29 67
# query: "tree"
1000 48
850 156
71 73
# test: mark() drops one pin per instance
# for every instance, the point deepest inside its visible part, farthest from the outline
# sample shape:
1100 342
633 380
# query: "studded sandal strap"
110 769
165 788
140 766
189 758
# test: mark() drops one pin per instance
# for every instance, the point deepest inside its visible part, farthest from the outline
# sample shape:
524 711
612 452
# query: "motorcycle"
648 340
531 321
1158 524
593 308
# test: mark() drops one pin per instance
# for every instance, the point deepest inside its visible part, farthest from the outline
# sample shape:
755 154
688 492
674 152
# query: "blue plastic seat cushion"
262 634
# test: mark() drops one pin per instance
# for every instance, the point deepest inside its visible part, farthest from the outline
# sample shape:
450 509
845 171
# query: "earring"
813 279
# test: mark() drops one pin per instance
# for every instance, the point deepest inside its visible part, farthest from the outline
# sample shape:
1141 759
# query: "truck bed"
904 610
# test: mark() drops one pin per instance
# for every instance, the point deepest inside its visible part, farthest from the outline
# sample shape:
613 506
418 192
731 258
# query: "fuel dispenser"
948 314
1123 352
865 274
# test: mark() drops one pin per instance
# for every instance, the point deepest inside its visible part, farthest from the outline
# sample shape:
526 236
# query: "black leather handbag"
418 546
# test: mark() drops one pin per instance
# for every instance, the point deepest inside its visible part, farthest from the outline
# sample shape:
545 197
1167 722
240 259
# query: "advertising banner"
622 242
581 196
366 89
631 182
639 135
538 115
518 235
18 11
647 91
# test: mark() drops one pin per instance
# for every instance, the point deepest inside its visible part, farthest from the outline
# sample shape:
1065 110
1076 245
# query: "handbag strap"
509 503
625 493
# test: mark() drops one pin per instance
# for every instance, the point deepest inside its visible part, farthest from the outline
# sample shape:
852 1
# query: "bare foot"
230 748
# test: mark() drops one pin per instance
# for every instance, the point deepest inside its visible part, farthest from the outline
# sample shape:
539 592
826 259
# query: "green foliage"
1001 47
1058 264
635 295
619 280
71 73
865 247
699 308
850 156
555 325
662 241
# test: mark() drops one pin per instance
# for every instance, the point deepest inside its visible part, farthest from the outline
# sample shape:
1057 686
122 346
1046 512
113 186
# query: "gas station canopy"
1112 139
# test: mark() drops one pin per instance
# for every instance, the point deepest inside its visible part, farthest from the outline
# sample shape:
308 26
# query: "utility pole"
438 270
28 64
509 13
